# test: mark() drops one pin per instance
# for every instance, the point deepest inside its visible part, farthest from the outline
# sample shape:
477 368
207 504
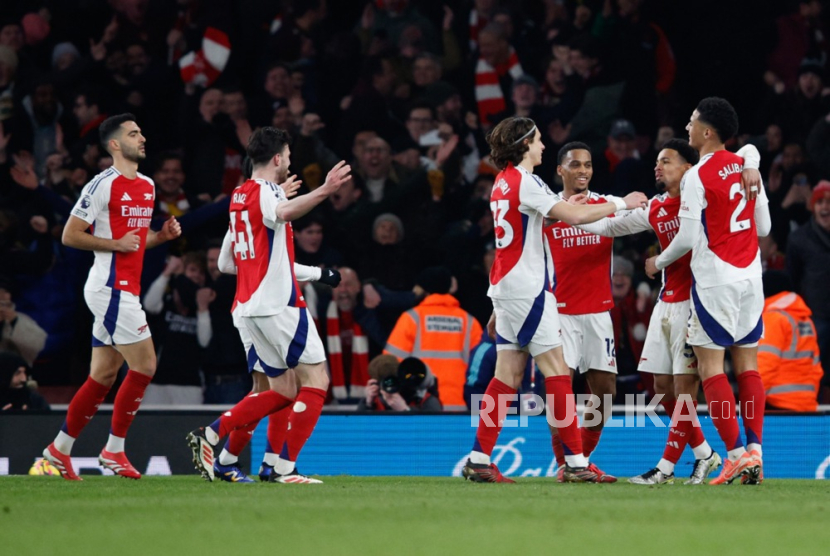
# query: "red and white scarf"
360 357
488 90
176 207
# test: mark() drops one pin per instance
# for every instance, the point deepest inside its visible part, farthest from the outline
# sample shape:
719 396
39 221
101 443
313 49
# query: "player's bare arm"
584 214
75 235
170 230
288 211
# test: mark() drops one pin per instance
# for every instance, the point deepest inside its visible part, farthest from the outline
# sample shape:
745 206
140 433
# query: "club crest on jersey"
148 196
503 185
86 202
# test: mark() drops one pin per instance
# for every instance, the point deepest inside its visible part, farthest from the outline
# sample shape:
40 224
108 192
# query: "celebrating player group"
713 204
707 217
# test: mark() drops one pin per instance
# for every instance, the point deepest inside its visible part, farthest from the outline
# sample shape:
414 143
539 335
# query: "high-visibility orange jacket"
441 334
788 354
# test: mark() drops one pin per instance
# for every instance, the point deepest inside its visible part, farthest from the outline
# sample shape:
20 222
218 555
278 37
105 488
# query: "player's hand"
170 230
635 200
372 391
291 186
371 297
651 267
128 243
751 183
491 326
204 297
337 176
330 277
578 199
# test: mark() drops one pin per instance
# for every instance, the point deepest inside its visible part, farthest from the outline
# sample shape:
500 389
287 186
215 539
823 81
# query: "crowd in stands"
405 91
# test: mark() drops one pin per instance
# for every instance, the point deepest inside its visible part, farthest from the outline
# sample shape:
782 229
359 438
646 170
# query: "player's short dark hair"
265 143
568 147
507 140
684 149
111 126
247 168
719 114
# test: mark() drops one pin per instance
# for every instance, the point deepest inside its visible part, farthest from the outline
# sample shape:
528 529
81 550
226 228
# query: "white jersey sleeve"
623 223
535 195
94 199
692 196
268 200
305 273
226 263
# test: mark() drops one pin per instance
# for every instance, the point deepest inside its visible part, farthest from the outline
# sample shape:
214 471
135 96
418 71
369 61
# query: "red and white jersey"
115 205
263 250
664 220
520 201
581 267
726 250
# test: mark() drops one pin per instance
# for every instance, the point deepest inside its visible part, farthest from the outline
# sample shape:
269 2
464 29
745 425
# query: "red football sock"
83 406
558 450
277 430
753 401
721 402
127 402
250 410
560 394
302 421
678 430
239 438
590 439
491 416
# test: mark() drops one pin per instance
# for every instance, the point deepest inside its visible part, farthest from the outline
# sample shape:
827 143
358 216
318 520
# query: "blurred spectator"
771 257
404 386
19 333
309 247
36 128
799 33
808 264
89 114
818 145
630 315
15 390
438 332
386 258
426 70
788 354
310 156
385 23
620 170
8 70
798 109
227 379
183 333
169 177
496 69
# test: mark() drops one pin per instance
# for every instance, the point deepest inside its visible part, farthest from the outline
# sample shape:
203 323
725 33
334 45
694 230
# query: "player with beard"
581 258
270 304
119 203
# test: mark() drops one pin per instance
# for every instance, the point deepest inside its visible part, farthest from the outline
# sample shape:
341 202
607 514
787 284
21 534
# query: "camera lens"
390 384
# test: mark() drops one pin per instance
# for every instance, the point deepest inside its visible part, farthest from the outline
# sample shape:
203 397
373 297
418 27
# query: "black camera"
411 373
391 384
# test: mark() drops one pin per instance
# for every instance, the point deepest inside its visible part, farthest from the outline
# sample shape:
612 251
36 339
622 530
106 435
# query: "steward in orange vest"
440 333
788 354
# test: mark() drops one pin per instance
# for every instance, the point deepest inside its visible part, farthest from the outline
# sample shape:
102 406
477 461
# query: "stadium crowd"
405 90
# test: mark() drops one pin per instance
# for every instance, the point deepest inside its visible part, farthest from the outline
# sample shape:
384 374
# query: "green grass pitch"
185 516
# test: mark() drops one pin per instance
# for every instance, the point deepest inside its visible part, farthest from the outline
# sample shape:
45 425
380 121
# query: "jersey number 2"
243 239
504 231
736 225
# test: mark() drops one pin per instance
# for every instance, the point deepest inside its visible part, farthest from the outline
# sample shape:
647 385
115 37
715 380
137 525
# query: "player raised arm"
293 209
584 214
628 223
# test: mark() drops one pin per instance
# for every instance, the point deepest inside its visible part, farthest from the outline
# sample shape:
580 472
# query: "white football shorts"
119 318
281 342
588 342
530 325
728 315
666 351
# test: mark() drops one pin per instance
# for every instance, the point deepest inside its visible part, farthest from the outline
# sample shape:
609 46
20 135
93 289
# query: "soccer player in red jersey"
525 320
271 305
581 258
720 222
118 205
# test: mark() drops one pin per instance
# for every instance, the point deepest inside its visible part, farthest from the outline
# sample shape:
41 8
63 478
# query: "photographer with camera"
404 386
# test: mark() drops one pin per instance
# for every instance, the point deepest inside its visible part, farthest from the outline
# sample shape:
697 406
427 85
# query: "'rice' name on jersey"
520 201
263 250
114 205
581 259
726 251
